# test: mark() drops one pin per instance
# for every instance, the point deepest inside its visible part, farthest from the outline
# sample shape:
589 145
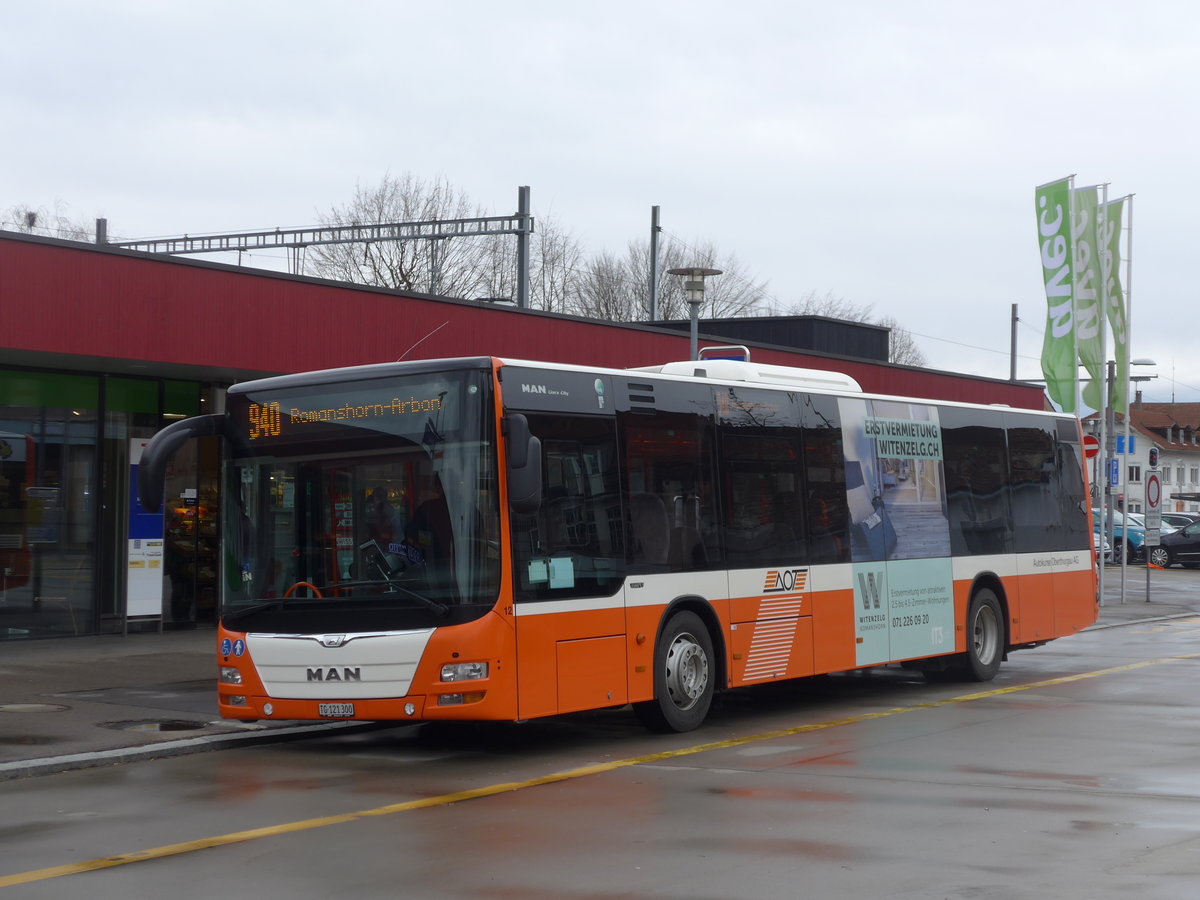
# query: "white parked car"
1140 519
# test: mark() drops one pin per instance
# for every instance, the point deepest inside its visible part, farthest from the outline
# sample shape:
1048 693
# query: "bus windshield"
361 505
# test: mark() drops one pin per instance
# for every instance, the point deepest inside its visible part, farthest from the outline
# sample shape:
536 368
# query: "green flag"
1110 265
1053 206
1089 314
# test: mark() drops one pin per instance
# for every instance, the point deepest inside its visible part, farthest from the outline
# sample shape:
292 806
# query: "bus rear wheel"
684 676
985 635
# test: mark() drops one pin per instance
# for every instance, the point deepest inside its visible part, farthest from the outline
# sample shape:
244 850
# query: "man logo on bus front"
332 640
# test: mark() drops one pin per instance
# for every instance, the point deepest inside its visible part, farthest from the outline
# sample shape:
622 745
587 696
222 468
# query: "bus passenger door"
569 572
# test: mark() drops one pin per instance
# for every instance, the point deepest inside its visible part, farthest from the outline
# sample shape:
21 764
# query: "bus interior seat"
687 546
651 529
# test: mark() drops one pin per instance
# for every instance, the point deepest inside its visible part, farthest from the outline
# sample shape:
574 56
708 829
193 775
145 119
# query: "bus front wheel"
684 673
985 635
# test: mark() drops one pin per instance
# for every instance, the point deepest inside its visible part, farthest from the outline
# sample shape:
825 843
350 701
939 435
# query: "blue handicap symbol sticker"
226 645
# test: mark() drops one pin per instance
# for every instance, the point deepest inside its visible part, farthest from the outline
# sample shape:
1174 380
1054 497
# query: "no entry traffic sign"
1153 492
1091 445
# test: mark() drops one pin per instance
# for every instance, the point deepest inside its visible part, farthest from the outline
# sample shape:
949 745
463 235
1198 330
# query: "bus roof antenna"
423 340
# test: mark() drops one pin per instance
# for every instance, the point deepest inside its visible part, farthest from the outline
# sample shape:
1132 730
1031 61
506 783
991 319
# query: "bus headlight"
230 675
470 671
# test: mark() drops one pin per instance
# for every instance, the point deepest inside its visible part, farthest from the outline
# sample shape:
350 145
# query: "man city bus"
494 539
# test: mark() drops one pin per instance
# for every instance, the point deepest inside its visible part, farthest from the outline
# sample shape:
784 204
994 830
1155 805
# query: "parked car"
1140 519
1127 539
1180 520
1182 546
1098 541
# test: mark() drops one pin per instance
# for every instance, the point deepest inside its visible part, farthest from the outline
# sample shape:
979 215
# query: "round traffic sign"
1091 445
1153 491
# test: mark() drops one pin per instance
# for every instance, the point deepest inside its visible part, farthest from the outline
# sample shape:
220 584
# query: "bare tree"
443 266
562 279
602 291
39 220
555 260
828 304
619 289
496 259
469 267
902 348
730 294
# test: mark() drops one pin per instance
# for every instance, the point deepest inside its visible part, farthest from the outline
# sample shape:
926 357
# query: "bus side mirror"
152 468
524 452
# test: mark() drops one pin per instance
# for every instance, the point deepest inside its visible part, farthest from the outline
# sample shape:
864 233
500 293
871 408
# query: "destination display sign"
410 409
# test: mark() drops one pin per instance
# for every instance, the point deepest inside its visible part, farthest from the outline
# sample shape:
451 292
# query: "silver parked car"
1179 520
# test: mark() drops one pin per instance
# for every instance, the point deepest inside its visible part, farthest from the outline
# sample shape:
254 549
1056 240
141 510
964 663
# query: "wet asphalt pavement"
69 703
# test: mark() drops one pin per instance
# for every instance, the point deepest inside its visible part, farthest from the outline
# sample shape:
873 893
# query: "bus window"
763 516
573 546
1069 488
977 497
828 516
1032 457
668 462
762 513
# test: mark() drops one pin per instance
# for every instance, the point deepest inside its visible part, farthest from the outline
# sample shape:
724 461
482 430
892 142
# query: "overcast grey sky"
884 151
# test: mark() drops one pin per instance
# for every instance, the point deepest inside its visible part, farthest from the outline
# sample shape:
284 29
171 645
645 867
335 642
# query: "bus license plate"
335 710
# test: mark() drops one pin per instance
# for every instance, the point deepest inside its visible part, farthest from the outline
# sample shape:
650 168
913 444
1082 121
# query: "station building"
101 347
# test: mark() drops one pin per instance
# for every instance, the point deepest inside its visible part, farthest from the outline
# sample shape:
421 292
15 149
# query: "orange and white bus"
500 539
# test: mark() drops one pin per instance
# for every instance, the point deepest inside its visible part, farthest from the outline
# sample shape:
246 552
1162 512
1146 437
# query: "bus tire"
985 635
684 676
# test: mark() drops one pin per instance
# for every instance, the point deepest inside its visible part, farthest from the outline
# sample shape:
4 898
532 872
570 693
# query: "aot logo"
778 580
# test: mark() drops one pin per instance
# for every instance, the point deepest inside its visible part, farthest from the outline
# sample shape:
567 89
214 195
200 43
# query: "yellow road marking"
491 790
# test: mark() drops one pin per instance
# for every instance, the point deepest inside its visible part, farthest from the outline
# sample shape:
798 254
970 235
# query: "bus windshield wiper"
375 560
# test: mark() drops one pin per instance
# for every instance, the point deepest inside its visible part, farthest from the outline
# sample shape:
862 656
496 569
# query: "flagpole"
1074 297
1105 397
1123 374
1128 355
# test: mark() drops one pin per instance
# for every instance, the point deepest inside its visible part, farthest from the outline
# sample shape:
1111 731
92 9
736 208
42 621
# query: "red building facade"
100 347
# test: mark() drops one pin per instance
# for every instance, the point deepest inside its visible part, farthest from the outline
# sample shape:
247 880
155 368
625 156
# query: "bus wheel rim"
687 672
986 634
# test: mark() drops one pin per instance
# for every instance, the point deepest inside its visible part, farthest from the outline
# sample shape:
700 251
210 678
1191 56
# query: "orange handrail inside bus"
308 584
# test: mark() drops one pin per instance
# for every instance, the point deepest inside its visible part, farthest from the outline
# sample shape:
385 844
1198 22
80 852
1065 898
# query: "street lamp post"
1157 522
694 287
